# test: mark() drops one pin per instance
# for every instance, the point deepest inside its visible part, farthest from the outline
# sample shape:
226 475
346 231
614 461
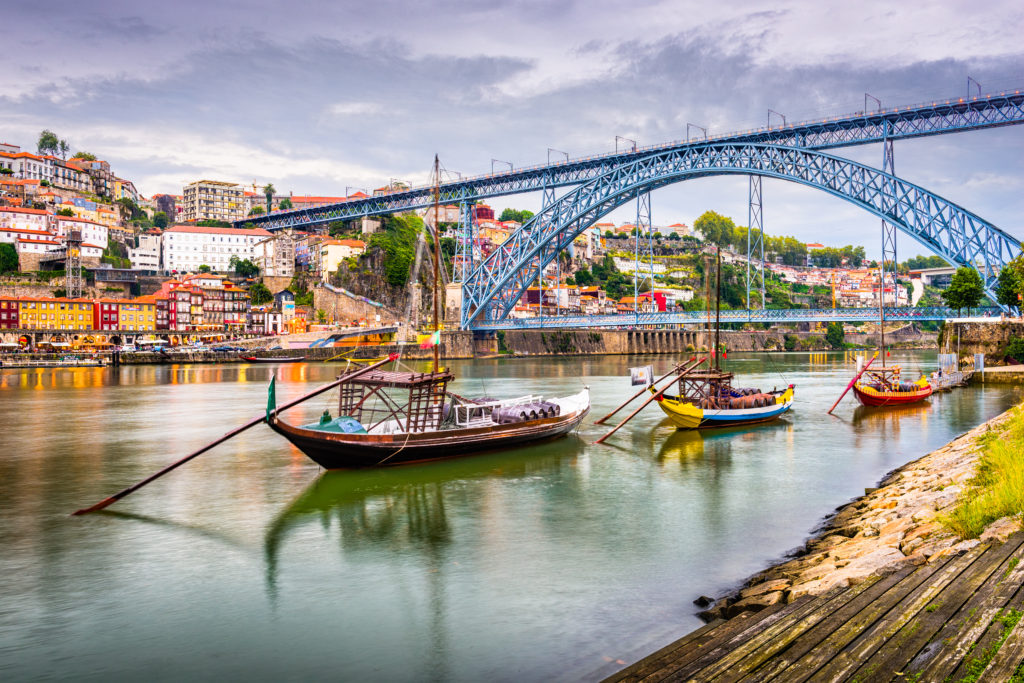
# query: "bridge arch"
952 232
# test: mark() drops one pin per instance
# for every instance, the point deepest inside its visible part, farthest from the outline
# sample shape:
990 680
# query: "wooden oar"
657 393
637 394
852 382
234 432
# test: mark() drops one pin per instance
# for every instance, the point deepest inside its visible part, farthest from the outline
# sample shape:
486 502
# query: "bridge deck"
941 621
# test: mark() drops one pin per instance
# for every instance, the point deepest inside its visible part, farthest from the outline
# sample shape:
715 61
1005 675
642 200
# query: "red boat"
884 388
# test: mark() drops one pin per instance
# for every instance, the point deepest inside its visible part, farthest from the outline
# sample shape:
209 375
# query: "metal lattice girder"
960 237
822 315
889 262
462 264
643 252
755 241
860 128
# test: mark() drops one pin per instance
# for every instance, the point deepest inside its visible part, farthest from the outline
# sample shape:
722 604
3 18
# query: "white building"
332 252
214 199
26 165
183 248
17 218
276 255
92 232
628 265
147 255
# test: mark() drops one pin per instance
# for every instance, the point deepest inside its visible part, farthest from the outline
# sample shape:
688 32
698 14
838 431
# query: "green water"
553 562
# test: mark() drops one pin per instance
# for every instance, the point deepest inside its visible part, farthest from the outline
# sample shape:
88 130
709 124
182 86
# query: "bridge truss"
959 236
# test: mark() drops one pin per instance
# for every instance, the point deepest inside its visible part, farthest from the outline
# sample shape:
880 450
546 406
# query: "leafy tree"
48 143
8 258
63 148
6 171
583 277
256 211
243 267
517 215
609 234
213 223
835 335
160 219
965 291
715 227
44 183
321 316
86 156
65 212
286 204
337 228
268 192
1015 350
571 281
397 239
60 293
259 294
919 262
1010 285
674 236
203 268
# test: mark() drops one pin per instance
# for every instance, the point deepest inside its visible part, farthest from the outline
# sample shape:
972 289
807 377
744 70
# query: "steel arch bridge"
961 237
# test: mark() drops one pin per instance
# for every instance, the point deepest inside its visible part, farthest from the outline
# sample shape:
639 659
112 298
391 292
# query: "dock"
953 619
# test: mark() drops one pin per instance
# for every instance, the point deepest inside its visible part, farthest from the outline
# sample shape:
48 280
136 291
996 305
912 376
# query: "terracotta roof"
260 232
28 239
27 230
76 219
13 209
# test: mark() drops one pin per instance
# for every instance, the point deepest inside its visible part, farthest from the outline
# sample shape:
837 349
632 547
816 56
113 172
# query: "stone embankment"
892 526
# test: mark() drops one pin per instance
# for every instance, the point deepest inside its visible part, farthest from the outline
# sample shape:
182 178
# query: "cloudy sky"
320 98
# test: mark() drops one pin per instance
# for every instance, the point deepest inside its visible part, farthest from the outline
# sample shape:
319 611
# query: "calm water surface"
549 562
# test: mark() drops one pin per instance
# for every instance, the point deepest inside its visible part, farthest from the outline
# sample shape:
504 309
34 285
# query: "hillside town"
192 263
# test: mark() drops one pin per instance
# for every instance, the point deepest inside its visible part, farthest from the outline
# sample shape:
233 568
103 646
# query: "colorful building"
48 313
137 315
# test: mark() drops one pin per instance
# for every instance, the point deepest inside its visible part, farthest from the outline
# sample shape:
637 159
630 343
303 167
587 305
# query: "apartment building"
186 247
214 200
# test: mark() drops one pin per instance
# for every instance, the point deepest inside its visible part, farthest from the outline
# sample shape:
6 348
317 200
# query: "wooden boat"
394 417
706 399
414 418
271 359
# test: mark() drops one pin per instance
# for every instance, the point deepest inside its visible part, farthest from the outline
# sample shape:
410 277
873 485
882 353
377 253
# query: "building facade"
184 248
214 200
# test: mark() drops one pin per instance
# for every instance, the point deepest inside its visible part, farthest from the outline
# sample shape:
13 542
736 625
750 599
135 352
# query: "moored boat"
883 387
271 359
716 404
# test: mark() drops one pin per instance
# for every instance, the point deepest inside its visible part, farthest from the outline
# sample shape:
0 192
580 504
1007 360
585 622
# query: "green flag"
271 399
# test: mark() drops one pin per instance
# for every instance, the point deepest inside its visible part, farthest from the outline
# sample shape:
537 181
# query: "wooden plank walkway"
951 620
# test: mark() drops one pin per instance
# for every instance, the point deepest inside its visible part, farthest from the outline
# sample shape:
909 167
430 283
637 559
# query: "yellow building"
137 315
46 313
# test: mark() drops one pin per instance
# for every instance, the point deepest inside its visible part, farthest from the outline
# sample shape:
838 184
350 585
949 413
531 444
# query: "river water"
561 561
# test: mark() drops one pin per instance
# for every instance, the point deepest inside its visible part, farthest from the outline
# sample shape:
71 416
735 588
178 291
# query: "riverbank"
892 526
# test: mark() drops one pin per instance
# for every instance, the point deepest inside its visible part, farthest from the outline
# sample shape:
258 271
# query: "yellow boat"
687 414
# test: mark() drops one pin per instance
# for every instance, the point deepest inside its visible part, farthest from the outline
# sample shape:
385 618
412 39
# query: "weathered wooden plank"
954 641
694 659
898 650
1008 659
747 656
988 641
806 641
845 649
630 673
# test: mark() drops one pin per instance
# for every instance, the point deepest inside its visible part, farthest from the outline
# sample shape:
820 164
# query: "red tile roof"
258 232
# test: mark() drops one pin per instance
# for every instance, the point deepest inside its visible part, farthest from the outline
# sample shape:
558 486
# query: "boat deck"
949 620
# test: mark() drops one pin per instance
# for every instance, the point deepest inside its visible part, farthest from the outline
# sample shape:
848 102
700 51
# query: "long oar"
852 382
234 432
637 394
657 393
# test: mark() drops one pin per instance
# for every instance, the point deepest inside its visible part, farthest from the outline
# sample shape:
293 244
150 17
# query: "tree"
1010 285
286 204
48 143
966 289
835 335
8 258
256 211
87 156
321 316
65 212
517 215
674 236
583 277
336 228
205 268
608 234
259 294
243 267
268 192
63 147
6 171
715 227
213 223
160 219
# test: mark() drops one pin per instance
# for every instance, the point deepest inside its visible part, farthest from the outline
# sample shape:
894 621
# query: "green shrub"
1016 349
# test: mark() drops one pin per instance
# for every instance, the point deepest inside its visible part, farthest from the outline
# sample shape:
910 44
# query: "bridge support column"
755 242
888 262
462 266
644 246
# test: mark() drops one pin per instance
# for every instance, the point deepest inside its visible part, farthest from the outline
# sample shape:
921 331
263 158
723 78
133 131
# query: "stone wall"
990 338
119 290
344 308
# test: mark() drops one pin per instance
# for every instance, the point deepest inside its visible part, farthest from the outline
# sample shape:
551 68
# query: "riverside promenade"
883 593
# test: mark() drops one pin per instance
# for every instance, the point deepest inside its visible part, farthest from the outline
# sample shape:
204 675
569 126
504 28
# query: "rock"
754 604
766 587
818 587
908 547
1001 529
870 533
704 601
716 612
816 572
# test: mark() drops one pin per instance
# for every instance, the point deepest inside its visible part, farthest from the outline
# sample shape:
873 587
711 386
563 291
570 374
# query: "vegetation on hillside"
397 240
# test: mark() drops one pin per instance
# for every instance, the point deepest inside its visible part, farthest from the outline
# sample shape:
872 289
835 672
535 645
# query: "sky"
325 98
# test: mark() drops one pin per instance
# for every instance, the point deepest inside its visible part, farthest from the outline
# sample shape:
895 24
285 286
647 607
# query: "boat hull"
872 398
352 451
685 415
257 359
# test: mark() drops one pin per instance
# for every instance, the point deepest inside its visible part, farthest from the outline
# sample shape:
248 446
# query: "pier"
951 620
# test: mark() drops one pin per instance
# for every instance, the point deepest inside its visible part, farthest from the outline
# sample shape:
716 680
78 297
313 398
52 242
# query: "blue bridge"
793 152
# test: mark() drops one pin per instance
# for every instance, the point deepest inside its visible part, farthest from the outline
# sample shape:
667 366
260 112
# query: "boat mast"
437 250
881 313
718 306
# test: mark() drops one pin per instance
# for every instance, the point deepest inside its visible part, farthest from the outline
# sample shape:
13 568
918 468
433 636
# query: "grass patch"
997 489
978 664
